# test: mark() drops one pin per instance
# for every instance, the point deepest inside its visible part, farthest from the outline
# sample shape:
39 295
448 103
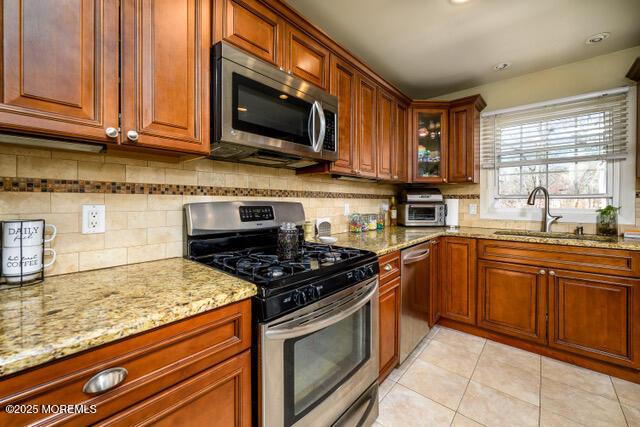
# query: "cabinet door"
343 85
400 152
251 26
386 124
461 144
459 279
366 133
306 58
222 392
60 67
429 151
596 316
389 319
511 300
435 288
165 74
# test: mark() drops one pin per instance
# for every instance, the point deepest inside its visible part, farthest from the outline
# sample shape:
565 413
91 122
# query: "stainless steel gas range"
315 317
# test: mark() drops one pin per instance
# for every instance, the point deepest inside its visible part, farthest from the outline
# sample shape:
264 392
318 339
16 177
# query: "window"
575 147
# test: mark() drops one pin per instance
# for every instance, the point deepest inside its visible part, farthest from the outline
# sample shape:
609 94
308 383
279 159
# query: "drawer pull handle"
105 380
388 267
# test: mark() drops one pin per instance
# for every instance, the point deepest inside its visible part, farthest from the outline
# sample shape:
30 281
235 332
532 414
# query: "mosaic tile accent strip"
38 185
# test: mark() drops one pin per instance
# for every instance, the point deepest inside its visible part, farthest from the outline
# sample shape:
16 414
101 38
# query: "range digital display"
256 213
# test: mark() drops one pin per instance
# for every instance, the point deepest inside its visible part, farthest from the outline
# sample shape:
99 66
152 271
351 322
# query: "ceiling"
432 47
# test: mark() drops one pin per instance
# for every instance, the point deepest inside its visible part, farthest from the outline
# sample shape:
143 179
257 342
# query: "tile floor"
456 379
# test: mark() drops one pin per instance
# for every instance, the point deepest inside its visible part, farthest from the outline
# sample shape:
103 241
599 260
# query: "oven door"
264 108
317 362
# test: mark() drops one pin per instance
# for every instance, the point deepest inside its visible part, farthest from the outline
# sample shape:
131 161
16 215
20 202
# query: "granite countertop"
74 312
392 239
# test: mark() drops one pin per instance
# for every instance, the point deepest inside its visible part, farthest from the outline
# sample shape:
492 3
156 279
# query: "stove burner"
331 256
274 272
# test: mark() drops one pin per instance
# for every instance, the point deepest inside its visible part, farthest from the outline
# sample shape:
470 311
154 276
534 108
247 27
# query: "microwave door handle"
311 125
283 332
323 124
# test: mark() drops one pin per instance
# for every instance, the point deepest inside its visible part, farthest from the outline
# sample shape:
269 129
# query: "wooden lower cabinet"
219 396
389 319
512 300
435 293
596 316
459 279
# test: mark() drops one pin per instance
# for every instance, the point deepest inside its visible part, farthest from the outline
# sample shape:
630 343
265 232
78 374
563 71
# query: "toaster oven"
422 214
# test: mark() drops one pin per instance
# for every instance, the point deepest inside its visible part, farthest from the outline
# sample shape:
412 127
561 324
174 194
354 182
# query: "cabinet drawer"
590 260
154 361
389 266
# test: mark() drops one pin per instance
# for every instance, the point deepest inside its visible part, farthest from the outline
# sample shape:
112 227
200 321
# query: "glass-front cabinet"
430 145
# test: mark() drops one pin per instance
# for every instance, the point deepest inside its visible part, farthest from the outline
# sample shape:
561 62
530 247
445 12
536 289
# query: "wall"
594 74
144 195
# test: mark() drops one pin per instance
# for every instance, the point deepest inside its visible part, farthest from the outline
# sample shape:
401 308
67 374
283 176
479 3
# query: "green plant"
608 210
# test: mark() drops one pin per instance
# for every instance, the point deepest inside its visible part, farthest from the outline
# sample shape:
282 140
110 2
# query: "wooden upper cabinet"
400 150
60 67
344 86
165 74
596 316
430 145
459 279
366 133
386 124
512 300
464 140
306 58
251 26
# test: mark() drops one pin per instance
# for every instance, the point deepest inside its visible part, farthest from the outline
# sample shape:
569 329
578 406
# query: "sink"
551 235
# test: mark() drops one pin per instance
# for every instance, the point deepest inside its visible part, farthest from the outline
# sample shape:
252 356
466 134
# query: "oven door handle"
283 332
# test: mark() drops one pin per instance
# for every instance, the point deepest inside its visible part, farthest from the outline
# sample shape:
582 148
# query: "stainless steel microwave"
265 116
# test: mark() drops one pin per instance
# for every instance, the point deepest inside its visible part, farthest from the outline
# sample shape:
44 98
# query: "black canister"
288 247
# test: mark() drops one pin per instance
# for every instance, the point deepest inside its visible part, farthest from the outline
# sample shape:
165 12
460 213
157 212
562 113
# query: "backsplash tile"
144 195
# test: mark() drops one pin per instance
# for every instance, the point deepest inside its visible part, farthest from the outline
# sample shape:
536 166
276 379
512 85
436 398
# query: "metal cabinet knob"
111 132
387 267
542 272
105 380
132 135
552 273
469 178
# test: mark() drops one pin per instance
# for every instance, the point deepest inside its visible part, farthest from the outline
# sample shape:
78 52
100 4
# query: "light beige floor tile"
450 357
436 383
470 343
461 421
406 408
550 419
628 392
385 388
575 376
433 332
493 408
521 383
632 415
579 405
512 356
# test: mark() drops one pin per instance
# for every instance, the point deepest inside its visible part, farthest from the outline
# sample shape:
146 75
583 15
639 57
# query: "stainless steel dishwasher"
414 314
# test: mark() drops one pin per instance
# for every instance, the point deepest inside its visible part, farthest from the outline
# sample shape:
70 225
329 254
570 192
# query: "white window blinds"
581 129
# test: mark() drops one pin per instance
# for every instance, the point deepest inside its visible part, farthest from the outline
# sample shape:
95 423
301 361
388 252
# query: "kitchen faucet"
548 218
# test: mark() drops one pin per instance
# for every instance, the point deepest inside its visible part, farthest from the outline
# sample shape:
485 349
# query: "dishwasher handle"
421 256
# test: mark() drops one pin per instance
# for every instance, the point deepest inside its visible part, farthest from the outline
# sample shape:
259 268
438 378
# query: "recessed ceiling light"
501 66
597 38
458 1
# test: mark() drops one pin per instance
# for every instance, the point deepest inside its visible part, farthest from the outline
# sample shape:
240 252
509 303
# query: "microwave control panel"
329 132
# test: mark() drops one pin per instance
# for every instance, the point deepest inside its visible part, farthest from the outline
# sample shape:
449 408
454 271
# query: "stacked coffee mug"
23 250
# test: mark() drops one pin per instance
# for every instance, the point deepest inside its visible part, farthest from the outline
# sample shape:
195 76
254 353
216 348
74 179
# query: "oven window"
318 363
422 213
263 110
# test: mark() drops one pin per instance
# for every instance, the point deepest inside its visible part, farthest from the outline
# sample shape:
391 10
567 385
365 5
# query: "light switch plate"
346 209
93 219
473 209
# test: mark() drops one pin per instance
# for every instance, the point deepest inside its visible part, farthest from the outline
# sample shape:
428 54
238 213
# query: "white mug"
32 262
31 233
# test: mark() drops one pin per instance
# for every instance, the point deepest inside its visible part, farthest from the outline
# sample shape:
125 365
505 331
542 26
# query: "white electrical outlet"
93 219
473 209
346 209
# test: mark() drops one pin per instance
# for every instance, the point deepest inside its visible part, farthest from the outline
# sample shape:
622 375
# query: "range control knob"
370 272
360 274
299 298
